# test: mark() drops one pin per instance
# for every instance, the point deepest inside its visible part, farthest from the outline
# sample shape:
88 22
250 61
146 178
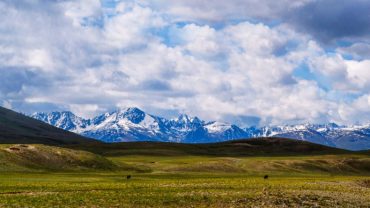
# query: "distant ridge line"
133 124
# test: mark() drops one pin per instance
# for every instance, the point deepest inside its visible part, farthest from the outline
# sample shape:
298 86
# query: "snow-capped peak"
65 120
133 124
135 115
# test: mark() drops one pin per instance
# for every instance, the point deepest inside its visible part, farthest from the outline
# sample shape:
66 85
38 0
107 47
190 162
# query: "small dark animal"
266 177
128 177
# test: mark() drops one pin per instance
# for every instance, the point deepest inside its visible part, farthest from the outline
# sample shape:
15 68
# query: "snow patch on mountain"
215 127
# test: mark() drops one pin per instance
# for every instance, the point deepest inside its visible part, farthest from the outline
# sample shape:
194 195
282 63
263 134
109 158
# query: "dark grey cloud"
358 51
329 20
14 79
155 85
213 11
325 20
29 108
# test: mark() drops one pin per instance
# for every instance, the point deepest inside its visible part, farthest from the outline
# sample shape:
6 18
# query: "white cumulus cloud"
88 57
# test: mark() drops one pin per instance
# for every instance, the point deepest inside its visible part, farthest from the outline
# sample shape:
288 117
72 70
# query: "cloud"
155 85
130 26
90 58
358 51
325 20
218 11
197 40
358 74
13 80
357 112
332 69
329 20
82 12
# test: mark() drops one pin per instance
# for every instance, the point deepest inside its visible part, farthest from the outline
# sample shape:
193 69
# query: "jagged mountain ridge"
133 124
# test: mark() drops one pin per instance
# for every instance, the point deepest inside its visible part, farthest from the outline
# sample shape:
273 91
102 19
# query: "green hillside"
36 157
25 157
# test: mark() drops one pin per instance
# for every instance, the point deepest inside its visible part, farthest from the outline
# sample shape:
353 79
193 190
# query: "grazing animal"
128 177
266 177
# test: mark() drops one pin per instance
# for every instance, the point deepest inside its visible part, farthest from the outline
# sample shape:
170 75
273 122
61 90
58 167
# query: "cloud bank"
243 61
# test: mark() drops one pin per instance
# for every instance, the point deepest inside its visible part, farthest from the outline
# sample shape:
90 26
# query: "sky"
248 62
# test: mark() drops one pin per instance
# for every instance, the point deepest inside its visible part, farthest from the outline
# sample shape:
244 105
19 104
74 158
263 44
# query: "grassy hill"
278 165
236 148
24 157
16 128
36 157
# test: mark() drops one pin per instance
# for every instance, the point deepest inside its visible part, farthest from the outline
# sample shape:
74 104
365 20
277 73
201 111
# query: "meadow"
196 181
181 190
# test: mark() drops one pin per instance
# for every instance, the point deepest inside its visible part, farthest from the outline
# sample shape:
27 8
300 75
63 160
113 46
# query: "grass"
197 181
175 175
280 165
181 190
42 158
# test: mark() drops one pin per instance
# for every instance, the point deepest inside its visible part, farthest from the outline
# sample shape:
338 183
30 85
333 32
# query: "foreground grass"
181 190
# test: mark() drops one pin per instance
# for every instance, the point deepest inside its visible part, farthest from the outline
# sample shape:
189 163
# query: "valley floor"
193 181
181 190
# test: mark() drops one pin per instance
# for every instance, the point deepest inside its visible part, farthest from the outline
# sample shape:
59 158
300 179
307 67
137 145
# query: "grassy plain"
181 190
197 181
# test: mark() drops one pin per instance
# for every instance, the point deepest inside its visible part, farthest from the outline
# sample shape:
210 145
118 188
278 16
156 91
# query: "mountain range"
133 124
